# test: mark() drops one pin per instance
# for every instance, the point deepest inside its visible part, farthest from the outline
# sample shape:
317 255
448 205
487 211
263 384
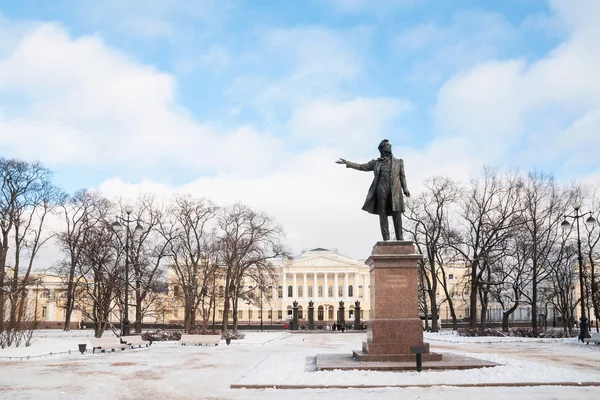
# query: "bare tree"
188 237
247 239
490 211
102 277
543 206
148 249
27 196
81 211
563 276
592 252
428 219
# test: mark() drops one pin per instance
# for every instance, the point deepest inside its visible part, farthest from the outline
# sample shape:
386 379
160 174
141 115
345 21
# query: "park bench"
200 339
135 341
110 343
594 339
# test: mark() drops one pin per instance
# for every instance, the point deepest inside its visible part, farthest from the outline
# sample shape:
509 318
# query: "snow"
167 370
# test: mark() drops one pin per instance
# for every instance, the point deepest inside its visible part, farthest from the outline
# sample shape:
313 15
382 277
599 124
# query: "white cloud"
503 107
440 50
150 19
87 104
359 122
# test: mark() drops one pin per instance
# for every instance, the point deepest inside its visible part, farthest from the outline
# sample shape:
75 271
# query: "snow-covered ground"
553 369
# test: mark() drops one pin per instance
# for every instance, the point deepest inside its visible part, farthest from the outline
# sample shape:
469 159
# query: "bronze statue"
385 194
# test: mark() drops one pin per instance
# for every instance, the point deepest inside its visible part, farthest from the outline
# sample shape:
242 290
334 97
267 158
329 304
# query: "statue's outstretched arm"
361 167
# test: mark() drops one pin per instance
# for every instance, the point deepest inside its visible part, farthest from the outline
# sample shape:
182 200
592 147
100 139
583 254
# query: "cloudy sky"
254 100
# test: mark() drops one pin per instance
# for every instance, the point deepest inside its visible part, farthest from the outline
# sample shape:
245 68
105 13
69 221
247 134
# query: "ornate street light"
565 225
117 227
248 304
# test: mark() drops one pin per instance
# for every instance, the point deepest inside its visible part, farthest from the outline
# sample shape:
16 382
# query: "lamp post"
583 328
125 325
261 308
248 304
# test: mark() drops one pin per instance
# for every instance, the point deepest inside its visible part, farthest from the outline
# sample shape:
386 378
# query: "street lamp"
261 308
138 229
248 303
583 328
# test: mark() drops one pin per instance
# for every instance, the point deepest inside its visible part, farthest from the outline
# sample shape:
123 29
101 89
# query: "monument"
395 331
395 327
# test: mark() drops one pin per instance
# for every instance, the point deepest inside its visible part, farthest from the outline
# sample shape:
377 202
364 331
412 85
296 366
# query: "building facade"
324 277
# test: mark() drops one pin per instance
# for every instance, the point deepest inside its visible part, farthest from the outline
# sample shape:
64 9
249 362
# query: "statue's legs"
385 226
397 218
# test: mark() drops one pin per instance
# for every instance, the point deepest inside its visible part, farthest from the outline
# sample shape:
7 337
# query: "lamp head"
591 221
565 225
128 209
577 205
116 226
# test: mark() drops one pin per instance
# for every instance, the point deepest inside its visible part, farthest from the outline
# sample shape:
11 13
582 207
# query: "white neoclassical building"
325 277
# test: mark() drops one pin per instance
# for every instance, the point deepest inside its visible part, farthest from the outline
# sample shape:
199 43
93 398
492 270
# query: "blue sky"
252 101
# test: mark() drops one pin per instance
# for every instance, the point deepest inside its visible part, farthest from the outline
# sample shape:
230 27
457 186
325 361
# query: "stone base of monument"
395 327
346 362
405 357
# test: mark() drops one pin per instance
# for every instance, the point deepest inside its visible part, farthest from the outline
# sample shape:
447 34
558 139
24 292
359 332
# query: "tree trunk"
473 298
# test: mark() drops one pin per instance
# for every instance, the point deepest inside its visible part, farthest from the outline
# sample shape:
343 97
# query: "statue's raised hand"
340 161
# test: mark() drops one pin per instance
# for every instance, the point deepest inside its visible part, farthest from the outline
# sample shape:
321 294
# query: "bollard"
418 350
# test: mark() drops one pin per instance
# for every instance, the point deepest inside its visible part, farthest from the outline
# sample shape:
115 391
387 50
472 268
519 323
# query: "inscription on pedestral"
395 282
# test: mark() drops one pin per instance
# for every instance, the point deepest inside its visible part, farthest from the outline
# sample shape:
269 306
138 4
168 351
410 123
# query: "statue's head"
385 147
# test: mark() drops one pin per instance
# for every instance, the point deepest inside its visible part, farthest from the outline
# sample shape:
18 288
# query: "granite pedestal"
395 326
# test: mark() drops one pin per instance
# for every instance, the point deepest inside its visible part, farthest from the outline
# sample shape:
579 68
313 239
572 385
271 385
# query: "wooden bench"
110 343
594 339
200 339
136 341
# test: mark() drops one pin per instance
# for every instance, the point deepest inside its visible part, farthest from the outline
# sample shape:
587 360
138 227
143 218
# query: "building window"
320 291
270 292
176 291
320 313
300 312
451 276
279 314
350 291
361 293
279 292
176 313
330 291
290 291
240 314
310 291
340 291
300 291
220 314
289 310
221 291
270 314
45 294
44 312
249 314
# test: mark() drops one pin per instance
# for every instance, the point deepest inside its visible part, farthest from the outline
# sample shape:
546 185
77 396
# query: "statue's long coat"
397 179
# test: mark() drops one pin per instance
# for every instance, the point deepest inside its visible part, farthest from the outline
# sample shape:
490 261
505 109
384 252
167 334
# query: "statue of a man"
385 194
